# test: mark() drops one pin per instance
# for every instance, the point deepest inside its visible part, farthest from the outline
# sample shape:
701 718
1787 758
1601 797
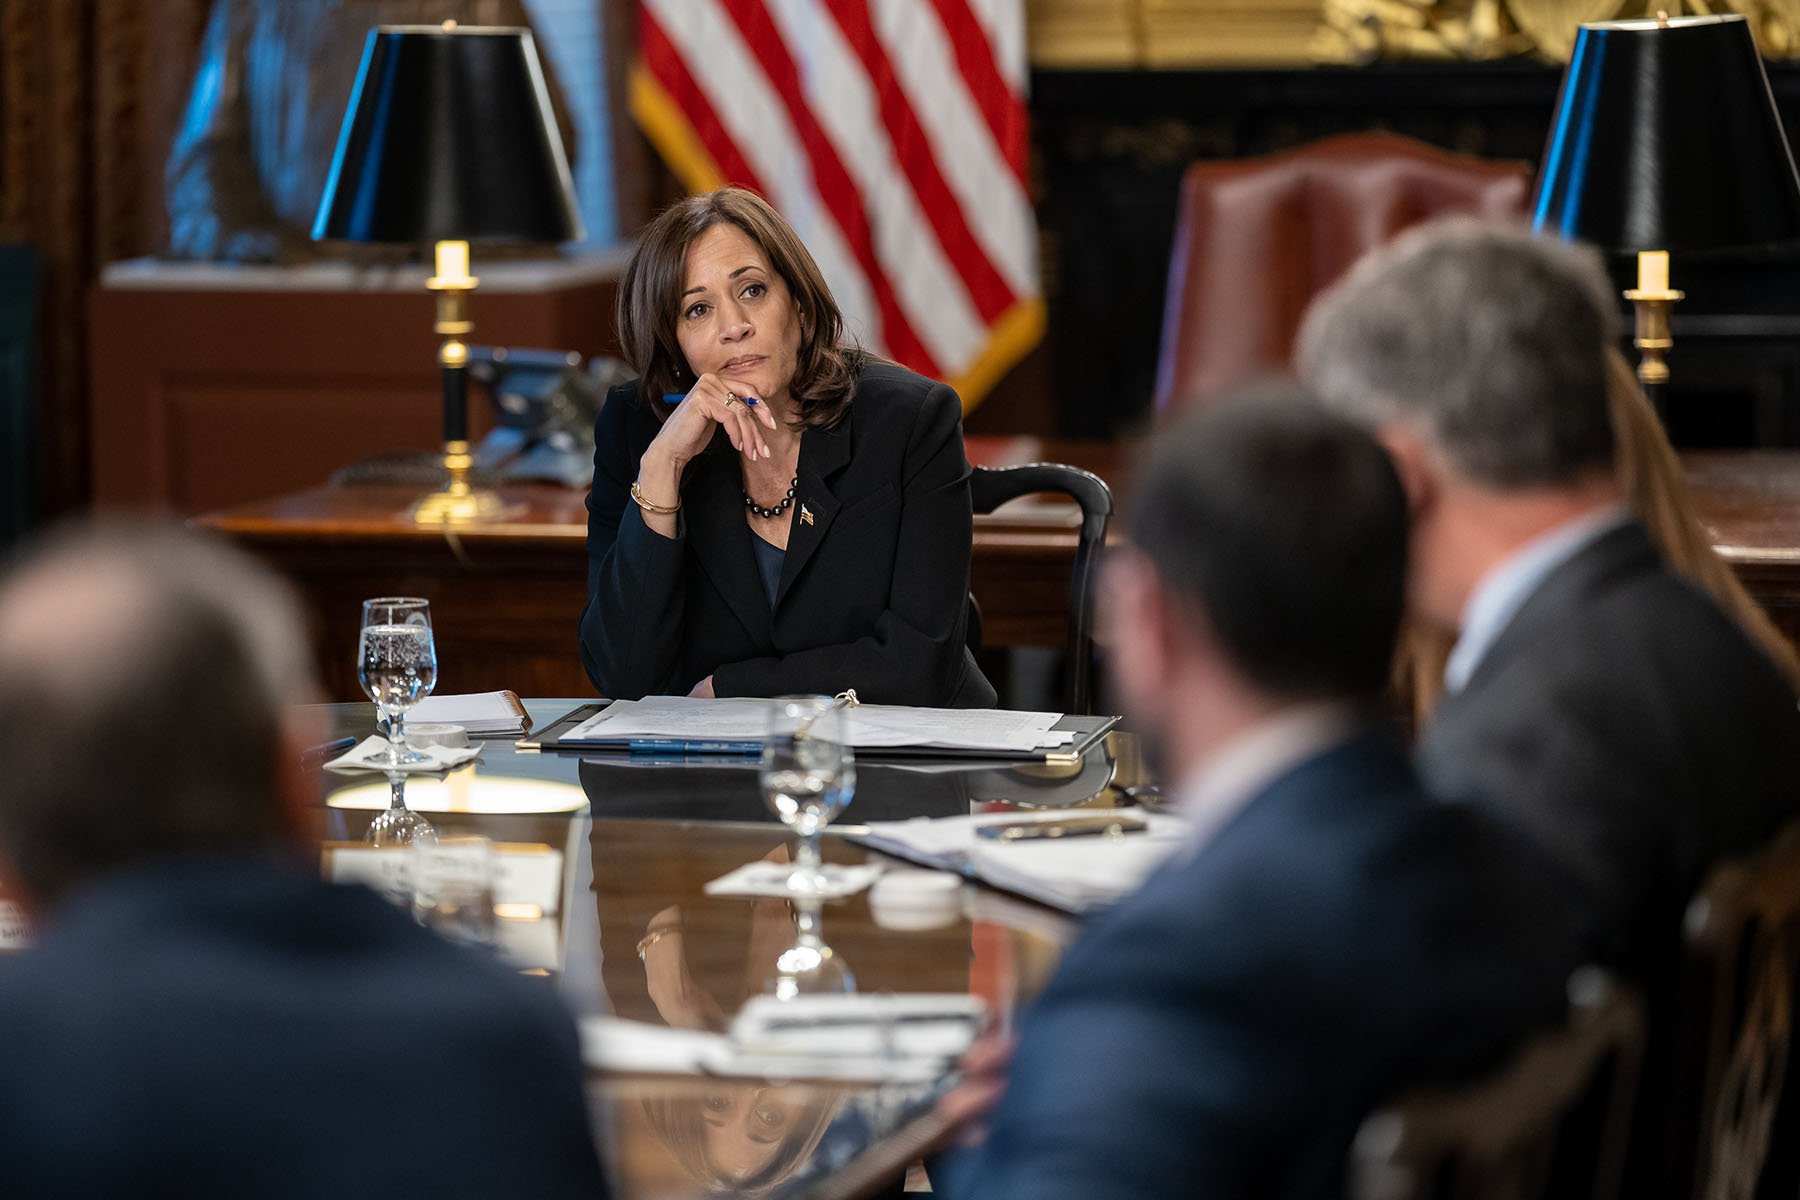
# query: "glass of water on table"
396 662
808 776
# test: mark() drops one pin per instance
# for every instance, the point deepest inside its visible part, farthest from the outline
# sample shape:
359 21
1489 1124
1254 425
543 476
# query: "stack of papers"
907 1037
867 726
482 714
1076 875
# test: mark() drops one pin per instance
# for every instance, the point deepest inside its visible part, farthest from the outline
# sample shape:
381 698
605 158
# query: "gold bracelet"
654 936
660 510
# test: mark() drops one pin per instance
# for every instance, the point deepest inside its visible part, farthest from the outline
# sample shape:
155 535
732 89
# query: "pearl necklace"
768 513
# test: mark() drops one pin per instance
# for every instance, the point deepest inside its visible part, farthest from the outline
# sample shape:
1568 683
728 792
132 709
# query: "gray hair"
1490 341
145 677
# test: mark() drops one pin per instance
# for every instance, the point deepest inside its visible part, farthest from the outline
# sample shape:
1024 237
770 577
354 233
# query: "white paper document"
482 714
868 726
908 1037
1074 874
15 930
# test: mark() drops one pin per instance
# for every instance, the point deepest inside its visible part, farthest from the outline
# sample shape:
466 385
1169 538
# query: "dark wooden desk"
1750 502
506 598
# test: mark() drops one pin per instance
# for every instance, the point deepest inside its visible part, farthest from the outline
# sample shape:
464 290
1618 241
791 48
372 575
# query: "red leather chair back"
1257 238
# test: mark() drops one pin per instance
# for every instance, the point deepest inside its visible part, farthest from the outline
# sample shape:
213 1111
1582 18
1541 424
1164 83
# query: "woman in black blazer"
772 511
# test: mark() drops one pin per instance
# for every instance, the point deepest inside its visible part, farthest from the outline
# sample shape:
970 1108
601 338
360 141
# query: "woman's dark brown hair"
650 301
679 1122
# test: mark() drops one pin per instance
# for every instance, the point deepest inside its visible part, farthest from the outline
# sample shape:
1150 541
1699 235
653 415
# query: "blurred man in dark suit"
1330 937
1593 697
202 1016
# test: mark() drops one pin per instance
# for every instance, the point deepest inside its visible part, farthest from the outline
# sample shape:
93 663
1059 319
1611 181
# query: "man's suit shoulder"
1651 643
1324 948
1616 610
1300 860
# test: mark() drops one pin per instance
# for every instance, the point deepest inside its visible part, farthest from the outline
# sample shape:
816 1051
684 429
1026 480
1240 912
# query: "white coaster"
441 758
762 878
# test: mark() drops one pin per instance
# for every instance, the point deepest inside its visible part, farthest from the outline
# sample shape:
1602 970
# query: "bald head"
145 677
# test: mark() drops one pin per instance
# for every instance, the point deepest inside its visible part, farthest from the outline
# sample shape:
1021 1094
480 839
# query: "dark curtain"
89 93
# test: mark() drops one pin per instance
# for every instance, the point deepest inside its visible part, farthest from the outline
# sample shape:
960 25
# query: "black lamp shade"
449 136
1666 138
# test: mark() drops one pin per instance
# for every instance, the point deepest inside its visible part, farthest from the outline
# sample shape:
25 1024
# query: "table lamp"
449 139
1666 139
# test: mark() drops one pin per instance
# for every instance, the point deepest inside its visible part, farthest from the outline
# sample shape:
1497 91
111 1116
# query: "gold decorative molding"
1170 34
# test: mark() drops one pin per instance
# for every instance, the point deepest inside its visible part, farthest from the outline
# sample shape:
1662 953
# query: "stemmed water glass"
399 825
396 662
809 967
808 775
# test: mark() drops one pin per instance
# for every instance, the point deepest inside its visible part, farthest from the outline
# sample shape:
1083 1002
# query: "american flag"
890 134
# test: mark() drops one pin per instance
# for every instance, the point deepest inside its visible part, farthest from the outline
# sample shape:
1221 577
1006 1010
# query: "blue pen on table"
323 751
687 746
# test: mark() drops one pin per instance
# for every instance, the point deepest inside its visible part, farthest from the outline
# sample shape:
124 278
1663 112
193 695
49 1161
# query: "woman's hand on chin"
703 690
712 402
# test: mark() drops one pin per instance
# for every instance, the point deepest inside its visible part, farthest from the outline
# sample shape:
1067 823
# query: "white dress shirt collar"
1238 771
1497 599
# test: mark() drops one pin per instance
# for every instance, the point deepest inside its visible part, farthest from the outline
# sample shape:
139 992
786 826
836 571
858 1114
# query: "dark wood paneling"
209 398
1109 149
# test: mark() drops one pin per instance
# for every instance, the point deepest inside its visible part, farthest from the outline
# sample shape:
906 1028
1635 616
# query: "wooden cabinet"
216 384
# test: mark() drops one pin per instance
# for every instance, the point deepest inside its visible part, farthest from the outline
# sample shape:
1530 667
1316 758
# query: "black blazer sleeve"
632 626
915 652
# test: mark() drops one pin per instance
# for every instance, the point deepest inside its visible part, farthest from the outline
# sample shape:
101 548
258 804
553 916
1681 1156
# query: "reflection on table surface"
715 788
624 927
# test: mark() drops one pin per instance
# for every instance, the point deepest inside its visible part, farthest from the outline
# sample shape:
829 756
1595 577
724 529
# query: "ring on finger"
731 400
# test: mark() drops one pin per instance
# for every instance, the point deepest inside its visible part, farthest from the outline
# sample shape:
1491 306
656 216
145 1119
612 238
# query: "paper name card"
530 945
15 930
527 875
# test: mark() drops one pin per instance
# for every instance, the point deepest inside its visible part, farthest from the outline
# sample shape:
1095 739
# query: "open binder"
1084 733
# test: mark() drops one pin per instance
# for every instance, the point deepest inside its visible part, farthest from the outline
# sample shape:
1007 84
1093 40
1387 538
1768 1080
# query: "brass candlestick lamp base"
1652 299
1652 336
458 503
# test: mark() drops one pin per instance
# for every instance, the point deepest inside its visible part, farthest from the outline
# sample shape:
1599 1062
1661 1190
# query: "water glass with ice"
396 662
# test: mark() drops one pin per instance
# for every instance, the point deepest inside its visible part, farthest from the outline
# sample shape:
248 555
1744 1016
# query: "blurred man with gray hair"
202 1016
1593 697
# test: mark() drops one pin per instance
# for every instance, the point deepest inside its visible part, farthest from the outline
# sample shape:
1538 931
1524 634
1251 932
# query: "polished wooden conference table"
506 596
638 841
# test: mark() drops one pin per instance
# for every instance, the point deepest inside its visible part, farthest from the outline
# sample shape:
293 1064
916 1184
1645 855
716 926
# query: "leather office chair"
1257 238
1550 1123
1722 1101
989 488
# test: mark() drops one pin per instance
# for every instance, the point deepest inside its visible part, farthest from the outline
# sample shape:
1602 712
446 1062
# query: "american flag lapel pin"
805 515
